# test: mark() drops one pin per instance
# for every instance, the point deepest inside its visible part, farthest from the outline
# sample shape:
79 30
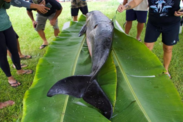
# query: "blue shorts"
170 33
140 16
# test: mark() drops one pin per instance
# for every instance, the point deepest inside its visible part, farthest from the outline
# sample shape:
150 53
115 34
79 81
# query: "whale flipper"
83 30
83 87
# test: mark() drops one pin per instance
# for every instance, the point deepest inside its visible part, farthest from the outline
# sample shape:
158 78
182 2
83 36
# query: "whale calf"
99 33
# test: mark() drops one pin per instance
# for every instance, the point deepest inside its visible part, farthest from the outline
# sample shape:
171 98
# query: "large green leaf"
66 56
145 93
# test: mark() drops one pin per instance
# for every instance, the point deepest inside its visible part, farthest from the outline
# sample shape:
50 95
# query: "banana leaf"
68 55
144 92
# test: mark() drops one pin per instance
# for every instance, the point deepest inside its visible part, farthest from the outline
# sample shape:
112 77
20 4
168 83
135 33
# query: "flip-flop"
139 40
26 57
6 103
167 73
25 72
16 83
22 66
42 46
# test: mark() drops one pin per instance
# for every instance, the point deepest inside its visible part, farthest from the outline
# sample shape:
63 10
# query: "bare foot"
6 103
21 72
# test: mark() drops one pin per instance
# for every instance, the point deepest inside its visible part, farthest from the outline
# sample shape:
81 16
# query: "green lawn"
30 42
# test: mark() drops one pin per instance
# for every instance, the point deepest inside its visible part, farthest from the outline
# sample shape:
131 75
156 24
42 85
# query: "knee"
129 22
149 46
167 49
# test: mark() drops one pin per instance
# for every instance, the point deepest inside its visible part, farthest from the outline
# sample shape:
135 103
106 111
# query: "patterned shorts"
78 3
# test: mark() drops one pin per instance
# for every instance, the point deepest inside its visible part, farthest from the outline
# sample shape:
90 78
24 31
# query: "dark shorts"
74 11
140 16
170 33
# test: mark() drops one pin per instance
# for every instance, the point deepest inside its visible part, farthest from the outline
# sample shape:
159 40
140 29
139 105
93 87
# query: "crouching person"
52 15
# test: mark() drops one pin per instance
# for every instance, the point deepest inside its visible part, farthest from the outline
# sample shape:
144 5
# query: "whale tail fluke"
74 86
95 96
83 87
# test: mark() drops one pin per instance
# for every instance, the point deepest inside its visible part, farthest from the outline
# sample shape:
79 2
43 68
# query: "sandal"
6 103
42 46
167 73
25 72
139 40
15 84
22 66
26 57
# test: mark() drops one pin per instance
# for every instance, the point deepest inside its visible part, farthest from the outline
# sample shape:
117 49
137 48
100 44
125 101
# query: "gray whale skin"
99 32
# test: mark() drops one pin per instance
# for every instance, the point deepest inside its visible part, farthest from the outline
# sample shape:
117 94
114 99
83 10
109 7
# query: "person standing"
77 5
8 40
52 15
164 18
138 13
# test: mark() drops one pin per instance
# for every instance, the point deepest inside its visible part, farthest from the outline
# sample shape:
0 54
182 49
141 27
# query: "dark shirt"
161 12
54 6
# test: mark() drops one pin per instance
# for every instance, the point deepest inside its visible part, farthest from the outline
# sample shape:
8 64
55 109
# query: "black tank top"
161 12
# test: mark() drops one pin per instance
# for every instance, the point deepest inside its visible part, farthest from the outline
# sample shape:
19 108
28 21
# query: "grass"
30 42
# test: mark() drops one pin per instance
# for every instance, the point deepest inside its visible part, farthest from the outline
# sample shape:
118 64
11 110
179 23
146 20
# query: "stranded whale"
99 32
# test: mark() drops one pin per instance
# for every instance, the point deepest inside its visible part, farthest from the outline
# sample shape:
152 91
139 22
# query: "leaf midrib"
73 71
130 87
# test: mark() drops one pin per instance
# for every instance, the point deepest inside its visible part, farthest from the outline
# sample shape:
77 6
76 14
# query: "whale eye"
95 26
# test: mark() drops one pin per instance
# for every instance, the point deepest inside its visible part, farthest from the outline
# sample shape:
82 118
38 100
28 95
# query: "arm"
125 1
58 8
53 20
129 5
178 13
21 3
29 12
40 8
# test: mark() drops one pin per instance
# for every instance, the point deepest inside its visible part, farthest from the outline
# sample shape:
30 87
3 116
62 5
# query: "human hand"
42 9
34 24
53 22
121 8
178 13
7 1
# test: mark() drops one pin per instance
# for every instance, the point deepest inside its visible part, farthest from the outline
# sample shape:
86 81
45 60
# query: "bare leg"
8 52
140 27
6 103
167 56
75 18
19 51
42 35
56 32
128 26
149 45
